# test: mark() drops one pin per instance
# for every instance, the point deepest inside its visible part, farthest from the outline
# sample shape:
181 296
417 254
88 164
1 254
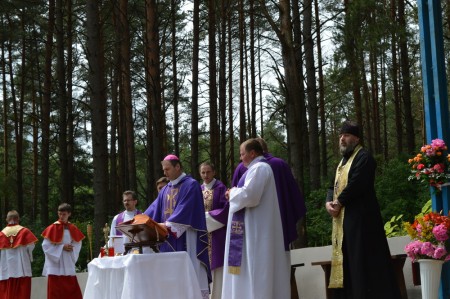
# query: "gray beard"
346 150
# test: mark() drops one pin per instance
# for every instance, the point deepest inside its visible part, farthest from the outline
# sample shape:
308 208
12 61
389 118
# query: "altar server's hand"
67 247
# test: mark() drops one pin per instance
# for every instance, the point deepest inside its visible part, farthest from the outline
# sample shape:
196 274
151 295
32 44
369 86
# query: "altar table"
142 276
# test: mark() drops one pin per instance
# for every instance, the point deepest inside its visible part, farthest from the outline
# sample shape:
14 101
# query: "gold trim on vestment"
337 236
12 230
234 270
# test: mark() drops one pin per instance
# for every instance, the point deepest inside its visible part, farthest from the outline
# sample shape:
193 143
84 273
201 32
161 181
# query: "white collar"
254 161
210 185
178 179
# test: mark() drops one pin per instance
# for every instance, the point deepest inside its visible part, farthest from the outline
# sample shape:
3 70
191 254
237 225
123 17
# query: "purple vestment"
290 199
238 172
183 204
219 212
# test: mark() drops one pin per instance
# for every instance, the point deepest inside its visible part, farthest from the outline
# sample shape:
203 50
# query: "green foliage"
318 222
396 195
393 227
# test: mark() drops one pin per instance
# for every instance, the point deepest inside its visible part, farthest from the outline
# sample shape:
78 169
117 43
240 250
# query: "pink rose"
439 168
438 143
427 249
439 253
413 249
420 166
440 232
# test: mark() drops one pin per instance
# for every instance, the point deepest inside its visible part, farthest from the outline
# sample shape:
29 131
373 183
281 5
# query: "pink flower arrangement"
431 166
430 236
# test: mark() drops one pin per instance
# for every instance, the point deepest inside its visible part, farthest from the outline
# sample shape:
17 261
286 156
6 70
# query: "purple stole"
237 233
120 218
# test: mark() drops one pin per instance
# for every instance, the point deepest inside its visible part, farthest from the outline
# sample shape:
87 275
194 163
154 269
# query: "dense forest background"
95 93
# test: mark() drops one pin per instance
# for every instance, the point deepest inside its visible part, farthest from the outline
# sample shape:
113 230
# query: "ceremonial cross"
236 227
171 201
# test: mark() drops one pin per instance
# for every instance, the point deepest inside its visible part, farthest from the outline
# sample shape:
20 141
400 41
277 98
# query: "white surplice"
16 262
58 261
265 267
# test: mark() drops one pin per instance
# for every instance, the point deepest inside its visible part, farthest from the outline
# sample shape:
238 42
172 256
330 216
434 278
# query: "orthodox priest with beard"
361 266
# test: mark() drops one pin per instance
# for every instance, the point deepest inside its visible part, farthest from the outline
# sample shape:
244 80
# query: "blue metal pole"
434 79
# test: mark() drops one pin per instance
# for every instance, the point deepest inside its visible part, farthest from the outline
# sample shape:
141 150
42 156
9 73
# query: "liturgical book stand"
143 231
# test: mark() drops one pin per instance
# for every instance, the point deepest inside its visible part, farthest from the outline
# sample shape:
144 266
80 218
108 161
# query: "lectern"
142 231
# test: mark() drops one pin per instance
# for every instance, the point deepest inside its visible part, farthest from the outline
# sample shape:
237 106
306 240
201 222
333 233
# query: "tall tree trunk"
394 75
375 102
367 106
154 83
35 128
5 201
406 79
242 122
311 91
292 82
45 115
302 132
122 168
223 90
115 186
213 118
19 139
260 88
351 32
252 68
384 107
195 62
176 131
125 90
230 87
98 103
17 135
293 91
248 120
62 104
70 114
323 130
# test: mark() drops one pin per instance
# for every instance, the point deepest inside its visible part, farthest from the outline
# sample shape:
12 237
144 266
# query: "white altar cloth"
143 276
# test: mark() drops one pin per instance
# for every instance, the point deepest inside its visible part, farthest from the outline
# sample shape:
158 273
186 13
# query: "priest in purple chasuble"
179 206
216 213
290 199
256 264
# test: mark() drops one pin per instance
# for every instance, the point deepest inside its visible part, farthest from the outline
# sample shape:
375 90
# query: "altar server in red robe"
16 247
61 245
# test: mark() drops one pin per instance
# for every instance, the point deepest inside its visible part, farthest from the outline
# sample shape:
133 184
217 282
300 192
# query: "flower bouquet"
430 235
431 166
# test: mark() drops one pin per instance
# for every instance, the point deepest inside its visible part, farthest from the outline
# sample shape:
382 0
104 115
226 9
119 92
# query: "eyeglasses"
127 200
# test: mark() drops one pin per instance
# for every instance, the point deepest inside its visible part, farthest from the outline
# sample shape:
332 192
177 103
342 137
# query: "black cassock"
368 270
